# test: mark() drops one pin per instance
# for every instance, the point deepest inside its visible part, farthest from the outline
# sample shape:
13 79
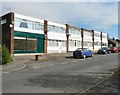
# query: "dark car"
104 50
82 52
114 49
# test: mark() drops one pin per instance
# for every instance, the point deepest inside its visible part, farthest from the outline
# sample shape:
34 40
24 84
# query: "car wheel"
106 52
109 52
77 57
84 56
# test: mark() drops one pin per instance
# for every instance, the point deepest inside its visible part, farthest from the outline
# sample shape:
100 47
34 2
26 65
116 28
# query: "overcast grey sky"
100 16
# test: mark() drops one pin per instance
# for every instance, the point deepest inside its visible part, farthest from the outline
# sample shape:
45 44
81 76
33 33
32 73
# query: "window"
28 24
71 43
26 44
85 43
52 28
96 34
86 33
74 31
104 44
64 43
96 43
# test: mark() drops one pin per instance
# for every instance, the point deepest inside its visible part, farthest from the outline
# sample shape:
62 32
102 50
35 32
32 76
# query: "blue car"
82 52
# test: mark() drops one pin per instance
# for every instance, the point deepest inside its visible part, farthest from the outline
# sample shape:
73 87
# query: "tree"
6 58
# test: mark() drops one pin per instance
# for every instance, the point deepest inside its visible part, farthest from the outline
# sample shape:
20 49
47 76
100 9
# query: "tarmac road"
61 75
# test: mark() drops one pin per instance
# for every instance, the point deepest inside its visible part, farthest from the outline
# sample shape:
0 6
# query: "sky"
99 15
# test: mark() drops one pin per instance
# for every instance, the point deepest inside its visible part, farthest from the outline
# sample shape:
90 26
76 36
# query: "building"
113 42
28 35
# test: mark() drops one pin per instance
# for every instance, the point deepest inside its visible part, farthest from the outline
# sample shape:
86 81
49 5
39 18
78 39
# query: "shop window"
25 45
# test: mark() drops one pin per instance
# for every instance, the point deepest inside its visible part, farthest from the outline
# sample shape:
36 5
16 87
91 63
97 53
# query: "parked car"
82 52
114 49
104 50
118 49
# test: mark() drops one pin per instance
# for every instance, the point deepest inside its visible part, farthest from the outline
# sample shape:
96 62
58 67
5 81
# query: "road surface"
63 75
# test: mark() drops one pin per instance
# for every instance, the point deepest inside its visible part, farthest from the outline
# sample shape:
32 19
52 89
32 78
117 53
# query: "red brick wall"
8 32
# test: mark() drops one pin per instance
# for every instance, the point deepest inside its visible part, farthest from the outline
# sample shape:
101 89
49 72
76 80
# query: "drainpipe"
82 36
67 37
93 39
101 39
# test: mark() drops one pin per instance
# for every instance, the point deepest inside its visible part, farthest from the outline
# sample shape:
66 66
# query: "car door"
87 52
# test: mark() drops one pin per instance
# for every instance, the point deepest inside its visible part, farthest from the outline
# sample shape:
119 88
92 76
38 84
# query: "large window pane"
25 45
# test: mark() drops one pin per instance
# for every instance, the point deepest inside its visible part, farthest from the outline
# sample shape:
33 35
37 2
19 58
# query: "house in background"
113 42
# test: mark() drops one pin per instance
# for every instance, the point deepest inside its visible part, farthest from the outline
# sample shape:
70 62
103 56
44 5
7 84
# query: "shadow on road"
69 57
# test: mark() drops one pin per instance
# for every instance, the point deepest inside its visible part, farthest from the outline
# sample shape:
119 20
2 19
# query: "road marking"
97 83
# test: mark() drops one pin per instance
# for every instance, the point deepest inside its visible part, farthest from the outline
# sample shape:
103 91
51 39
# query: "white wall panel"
57 36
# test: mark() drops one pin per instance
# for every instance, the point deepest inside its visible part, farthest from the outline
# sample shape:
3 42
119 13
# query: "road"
63 75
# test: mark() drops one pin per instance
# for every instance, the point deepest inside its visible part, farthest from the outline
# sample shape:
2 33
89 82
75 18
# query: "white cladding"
97 36
56 39
104 37
97 40
87 38
74 39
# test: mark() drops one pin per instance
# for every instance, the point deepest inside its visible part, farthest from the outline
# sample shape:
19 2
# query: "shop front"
25 42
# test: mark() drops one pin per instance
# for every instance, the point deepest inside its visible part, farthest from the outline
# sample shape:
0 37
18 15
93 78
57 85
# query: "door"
60 47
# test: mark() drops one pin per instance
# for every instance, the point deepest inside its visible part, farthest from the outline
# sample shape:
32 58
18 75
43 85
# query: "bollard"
37 57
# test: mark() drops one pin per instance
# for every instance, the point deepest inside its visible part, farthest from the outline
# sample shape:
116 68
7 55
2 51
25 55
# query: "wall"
75 39
7 31
97 40
56 38
87 39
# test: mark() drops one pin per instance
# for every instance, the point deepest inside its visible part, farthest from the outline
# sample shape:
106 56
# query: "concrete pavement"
21 62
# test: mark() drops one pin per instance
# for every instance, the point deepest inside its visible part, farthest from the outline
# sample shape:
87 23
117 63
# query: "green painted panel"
40 45
25 51
28 35
40 42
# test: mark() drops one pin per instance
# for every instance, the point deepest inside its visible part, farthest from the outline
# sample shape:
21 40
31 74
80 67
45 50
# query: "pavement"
22 62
